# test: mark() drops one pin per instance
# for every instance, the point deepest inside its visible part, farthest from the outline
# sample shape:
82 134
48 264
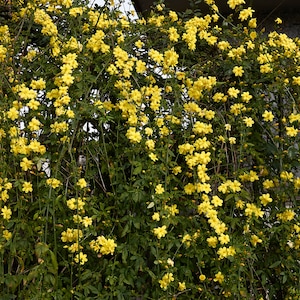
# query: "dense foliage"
148 158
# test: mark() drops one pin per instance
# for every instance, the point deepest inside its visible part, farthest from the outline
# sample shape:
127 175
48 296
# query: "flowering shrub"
148 158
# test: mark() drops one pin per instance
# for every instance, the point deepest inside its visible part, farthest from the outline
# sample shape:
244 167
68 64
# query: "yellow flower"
248 121
278 21
232 140
286 216
36 146
13 113
291 131
172 210
7 235
133 135
173 35
86 221
224 239
252 23
170 58
212 241
71 235
166 280
155 216
155 56
297 183
27 187
33 104
107 245
202 277
219 277
26 164
266 68
139 44
237 108
38 84
173 16
81 258
160 231
176 170
265 199
287 176
252 209
181 286
246 13
233 92
81 183
74 204
75 247
216 201
34 124
267 184
255 240
268 116
148 131
58 127
3 52
238 71
233 3
159 189
153 156
6 213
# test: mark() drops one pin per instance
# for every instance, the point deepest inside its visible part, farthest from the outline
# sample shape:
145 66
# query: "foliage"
148 158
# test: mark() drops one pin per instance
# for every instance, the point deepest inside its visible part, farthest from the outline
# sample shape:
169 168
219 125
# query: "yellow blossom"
238 71
7 235
267 184
81 258
212 241
219 277
252 209
181 286
155 216
160 231
133 135
246 13
27 187
268 116
81 183
265 199
6 212
255 240
291 131
202 277
176 170
248 121
75 204
13 113
34 124
53 182
166 280
26 164
107 245
159 189
286 216
224 239
86 221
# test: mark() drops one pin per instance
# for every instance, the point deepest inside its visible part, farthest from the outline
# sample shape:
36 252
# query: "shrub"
148 158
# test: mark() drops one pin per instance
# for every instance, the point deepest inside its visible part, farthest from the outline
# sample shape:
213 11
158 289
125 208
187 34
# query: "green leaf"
125 230
275 264
124 255
137 170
